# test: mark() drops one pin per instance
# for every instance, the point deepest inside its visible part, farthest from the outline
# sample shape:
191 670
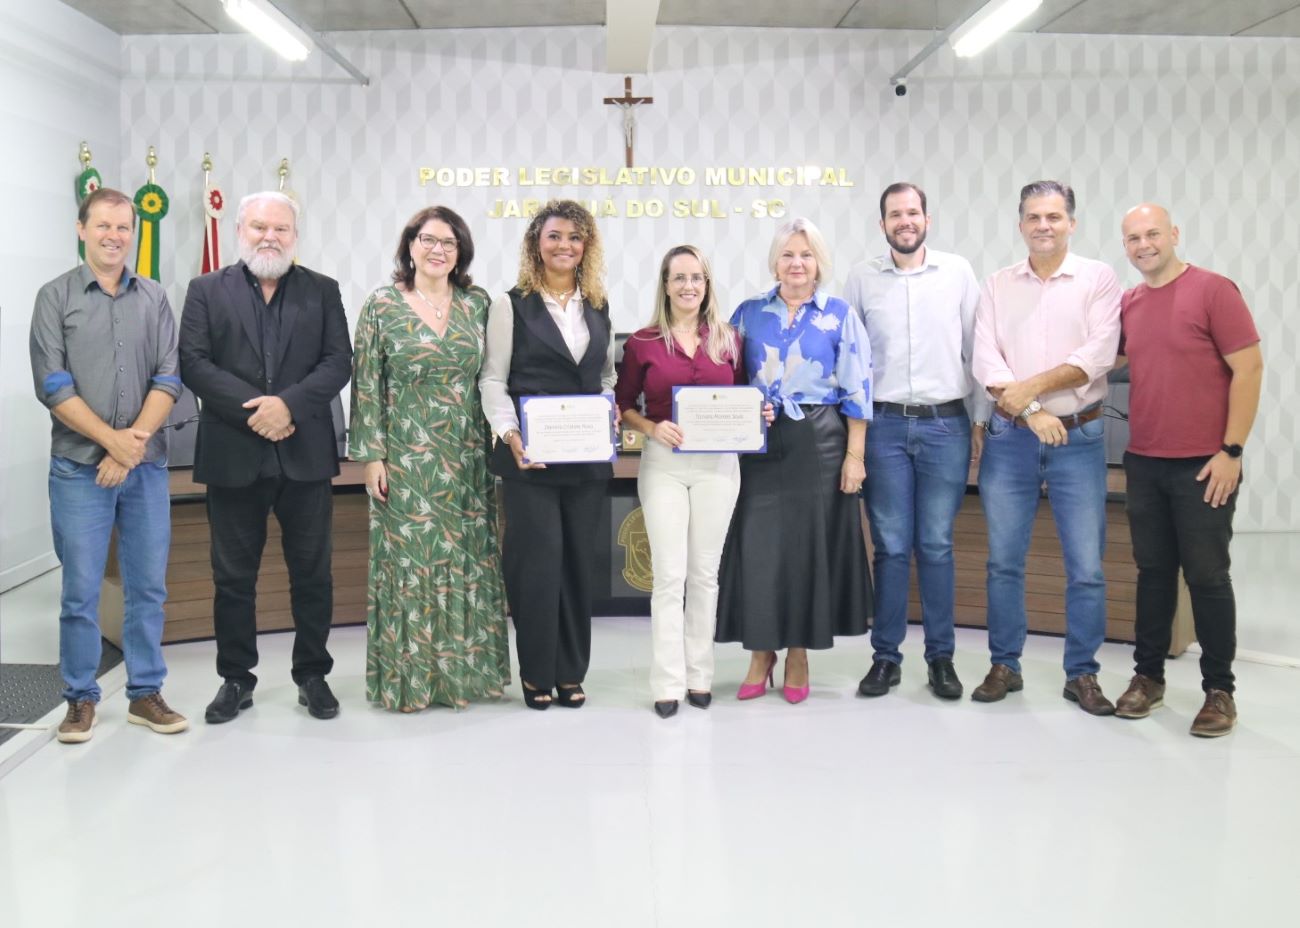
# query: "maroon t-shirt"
1175 338
648 368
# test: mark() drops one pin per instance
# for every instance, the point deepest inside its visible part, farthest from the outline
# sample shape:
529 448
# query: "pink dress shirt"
1025 326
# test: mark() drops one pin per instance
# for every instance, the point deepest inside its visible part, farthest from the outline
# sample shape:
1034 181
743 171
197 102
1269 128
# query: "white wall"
1209 126
60 74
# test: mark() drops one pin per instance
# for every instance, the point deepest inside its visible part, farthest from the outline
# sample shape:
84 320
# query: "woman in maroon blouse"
686 498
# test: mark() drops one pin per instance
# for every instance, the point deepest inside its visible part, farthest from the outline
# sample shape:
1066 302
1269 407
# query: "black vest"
541 365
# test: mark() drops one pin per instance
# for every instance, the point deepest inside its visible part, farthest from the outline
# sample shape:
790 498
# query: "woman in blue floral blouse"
794 570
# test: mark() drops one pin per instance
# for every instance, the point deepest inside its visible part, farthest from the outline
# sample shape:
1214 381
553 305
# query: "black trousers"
1172 526
238 518
547 561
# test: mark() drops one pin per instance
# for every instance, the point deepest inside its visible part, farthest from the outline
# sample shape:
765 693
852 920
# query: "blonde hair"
590 271
816 244
720 346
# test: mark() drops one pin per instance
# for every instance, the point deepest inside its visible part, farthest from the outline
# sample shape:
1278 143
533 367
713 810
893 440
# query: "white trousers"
687 501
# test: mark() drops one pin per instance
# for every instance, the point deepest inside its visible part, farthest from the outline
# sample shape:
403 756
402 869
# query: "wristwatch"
1232 451
1033 407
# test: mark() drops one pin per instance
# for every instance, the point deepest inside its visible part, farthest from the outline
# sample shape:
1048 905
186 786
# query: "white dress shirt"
921 325
494 378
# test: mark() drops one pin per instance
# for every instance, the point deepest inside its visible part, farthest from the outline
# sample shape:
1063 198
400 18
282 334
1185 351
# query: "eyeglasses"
681 280
428 241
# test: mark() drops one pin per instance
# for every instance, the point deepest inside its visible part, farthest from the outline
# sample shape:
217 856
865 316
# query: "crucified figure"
626 104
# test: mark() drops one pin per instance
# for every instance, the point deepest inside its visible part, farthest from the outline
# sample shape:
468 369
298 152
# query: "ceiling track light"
994 20
267 23
969 36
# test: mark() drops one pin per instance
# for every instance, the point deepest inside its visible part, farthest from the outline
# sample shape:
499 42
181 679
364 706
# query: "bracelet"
852 454
506 437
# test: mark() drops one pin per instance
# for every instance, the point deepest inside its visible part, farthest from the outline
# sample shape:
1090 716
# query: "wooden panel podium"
188 611
622 560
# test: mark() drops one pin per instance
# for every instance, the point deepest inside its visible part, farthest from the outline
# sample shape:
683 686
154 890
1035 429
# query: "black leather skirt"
794 570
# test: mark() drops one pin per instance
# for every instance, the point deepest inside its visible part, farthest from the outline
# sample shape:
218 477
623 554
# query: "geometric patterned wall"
1209 126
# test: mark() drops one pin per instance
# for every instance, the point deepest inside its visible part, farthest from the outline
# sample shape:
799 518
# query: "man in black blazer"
264 346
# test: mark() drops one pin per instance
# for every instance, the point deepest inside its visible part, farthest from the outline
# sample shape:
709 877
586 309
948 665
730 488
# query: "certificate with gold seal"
720 419
567 429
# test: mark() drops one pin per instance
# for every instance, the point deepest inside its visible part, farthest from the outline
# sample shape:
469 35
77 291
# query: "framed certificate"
567 429
720 419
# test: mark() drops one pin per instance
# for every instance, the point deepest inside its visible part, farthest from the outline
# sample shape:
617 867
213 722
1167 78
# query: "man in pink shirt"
1195 368
1046 332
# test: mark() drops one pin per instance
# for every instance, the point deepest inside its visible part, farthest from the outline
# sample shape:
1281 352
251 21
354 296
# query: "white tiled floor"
29 621
898 811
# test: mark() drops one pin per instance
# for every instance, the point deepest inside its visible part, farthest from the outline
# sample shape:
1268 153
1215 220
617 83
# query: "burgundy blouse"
648 368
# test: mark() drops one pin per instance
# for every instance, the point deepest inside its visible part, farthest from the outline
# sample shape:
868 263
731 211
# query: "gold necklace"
560 299
436 311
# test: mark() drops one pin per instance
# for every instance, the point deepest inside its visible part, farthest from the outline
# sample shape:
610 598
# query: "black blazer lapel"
237 291
597 328
291 301
538 320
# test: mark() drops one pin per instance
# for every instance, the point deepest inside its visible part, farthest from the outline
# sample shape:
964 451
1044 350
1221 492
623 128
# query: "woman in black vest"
550 335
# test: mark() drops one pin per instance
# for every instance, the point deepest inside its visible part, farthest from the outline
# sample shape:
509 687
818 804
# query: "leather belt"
922 410
1070 422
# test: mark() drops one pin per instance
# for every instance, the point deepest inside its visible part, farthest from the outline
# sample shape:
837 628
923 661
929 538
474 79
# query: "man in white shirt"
918 305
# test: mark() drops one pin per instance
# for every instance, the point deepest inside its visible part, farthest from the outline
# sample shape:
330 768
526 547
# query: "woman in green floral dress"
435 617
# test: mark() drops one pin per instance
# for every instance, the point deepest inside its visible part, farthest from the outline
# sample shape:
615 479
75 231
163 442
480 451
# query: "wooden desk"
189 576
1044 568
188 611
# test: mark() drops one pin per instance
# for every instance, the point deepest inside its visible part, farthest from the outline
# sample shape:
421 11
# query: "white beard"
265 265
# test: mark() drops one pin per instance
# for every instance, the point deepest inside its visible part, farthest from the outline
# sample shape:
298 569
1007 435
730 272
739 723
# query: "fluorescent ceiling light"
262 19
994 19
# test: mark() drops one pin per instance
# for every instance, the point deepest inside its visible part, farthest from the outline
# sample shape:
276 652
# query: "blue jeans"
83 517
916 477
1013 469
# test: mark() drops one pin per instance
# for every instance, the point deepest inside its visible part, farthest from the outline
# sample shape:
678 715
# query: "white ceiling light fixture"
994 20
266 22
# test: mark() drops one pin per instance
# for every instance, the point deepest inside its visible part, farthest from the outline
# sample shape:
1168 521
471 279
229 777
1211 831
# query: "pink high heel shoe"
794 694
754 690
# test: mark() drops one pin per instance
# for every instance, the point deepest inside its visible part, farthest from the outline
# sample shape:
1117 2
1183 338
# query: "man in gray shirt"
103 350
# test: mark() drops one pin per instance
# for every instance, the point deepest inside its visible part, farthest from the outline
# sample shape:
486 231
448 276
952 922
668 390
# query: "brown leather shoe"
1085 690
1143 695
1217 717
1000 680
78 725
153 712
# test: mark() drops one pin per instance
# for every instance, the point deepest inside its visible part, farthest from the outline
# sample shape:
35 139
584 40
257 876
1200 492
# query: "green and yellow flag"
151 203
88 181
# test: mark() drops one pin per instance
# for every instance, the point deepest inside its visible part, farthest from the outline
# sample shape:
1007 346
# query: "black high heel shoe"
571 697
699 700
666 708
536 699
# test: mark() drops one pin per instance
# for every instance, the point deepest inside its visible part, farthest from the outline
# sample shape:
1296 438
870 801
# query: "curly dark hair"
404 267
591 270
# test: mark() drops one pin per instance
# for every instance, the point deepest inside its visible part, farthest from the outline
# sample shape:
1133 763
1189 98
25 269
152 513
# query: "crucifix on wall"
626 104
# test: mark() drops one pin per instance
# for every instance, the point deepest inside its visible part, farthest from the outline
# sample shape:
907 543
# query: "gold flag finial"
283 171
151 159
84 156
207 162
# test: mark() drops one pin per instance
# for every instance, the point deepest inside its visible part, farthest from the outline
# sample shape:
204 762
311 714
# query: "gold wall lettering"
730 177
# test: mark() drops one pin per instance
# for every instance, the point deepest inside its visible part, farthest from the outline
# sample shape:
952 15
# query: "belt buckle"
914 415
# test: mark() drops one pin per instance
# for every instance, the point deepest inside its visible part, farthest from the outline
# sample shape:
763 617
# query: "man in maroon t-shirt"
1195 368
